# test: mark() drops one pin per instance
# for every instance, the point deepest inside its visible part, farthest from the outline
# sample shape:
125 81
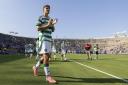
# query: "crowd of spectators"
119 49
10 44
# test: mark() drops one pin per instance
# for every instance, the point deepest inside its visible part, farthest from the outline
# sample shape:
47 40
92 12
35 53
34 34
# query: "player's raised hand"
50 22
54 21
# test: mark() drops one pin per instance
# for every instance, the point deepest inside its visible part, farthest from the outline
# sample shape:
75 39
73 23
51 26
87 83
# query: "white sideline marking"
101 71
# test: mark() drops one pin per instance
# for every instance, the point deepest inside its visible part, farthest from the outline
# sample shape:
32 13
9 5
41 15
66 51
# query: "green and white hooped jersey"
44 35
95 48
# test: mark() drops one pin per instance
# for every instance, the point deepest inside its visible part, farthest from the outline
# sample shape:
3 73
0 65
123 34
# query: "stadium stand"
10 44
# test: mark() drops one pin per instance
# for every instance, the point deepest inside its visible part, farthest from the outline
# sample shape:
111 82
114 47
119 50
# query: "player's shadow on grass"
89 80
9 58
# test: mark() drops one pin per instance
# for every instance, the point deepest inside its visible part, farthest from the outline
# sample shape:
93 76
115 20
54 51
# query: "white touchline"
101 71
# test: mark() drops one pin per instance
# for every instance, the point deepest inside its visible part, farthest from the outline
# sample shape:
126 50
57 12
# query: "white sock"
31 55
26 55
47 71
38 64
37 57
54 56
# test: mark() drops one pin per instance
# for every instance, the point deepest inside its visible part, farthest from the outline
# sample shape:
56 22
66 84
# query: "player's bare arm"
51 23
45 26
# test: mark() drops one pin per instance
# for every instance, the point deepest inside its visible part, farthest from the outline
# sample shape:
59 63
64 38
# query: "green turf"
17 70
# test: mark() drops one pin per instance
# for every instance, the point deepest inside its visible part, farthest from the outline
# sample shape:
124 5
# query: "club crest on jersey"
45 50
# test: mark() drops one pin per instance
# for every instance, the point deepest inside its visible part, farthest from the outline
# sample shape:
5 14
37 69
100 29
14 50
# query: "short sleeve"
39 22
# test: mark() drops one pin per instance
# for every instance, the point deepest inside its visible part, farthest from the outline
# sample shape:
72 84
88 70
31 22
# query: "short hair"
46 6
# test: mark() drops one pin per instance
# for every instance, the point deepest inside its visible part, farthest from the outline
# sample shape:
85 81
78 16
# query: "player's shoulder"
40 17
43 18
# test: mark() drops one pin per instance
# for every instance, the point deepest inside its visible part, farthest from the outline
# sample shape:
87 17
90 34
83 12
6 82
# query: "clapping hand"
54 21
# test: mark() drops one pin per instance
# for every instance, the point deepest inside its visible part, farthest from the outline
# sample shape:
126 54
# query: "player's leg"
90 52
61 56
31 54
87 55
97 54
37 65
46 64
47 69
65 58
46 55
26 53
94 54
54 56
37 57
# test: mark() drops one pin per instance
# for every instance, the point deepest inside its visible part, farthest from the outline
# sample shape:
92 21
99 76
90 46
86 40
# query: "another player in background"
29 49
26 49
63 51
88 50
54 51
96 48
37 48
45 28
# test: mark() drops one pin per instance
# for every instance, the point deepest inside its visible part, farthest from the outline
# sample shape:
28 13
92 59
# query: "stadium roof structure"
121 34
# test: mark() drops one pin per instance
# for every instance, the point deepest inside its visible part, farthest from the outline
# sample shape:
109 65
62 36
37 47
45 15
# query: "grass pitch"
17 70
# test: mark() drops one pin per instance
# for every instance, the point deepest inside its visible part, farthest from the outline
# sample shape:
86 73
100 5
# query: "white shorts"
63 51
30 51
46 47
88 52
